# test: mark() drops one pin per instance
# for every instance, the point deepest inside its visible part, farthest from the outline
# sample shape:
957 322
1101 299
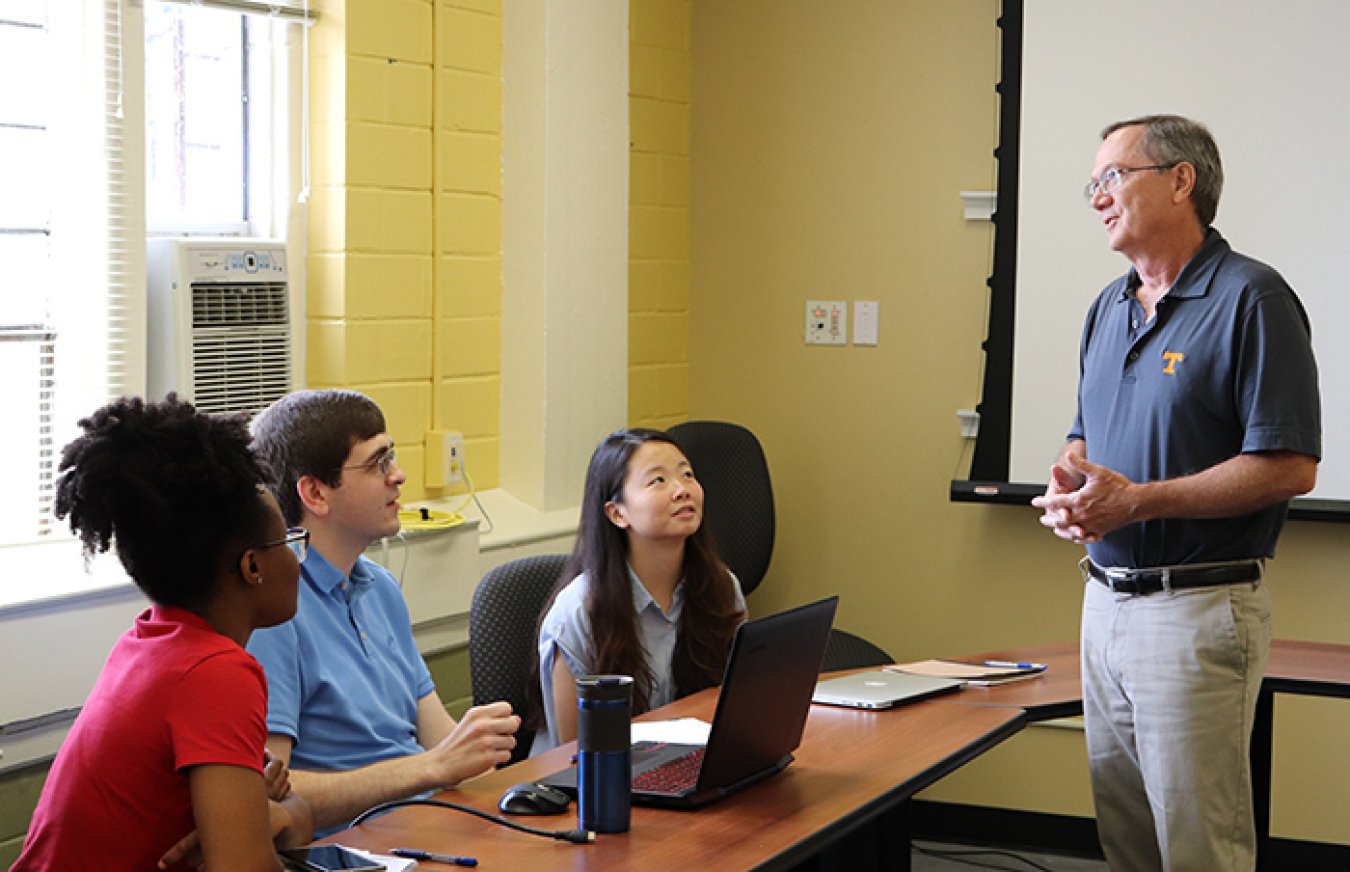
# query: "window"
214 107
71 238
217 103
196 102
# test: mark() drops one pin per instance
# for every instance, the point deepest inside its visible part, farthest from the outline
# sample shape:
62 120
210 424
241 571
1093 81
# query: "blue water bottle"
604 759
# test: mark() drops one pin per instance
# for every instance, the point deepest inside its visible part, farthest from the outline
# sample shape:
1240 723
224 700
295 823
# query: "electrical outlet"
444 457
826 322
454 456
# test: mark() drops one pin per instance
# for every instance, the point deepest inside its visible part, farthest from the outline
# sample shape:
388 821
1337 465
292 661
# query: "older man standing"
1198 419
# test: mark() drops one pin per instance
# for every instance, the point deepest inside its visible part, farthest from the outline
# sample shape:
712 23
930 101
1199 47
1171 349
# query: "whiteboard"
1271 80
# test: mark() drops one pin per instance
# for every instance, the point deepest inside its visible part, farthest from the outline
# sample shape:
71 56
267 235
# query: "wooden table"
1309 668
1306 668
1055 693
853 768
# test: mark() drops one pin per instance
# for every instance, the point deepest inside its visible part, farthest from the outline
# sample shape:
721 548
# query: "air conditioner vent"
219 305
240 368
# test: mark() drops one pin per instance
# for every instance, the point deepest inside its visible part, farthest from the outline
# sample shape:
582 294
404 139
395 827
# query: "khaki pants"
1170 682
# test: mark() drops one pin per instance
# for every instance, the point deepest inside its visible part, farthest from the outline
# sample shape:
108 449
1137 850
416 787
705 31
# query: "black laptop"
760 716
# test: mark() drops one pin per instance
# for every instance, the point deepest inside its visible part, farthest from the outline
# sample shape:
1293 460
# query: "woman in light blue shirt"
644 593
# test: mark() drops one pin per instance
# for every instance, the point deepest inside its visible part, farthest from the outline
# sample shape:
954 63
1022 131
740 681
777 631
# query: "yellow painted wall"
829 142
405 219
658 226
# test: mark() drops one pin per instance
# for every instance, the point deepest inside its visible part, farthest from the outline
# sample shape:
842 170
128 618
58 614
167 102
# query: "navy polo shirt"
1225 367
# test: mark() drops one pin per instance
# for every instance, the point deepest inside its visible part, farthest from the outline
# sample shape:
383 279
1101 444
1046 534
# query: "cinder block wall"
405 239
658 218
405 220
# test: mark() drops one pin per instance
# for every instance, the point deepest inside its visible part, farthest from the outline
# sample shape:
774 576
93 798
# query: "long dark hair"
710 614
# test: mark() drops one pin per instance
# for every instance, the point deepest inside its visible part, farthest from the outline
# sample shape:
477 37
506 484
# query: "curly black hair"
175 491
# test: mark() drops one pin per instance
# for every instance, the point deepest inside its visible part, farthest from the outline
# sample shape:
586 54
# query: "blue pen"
430 857
1007 665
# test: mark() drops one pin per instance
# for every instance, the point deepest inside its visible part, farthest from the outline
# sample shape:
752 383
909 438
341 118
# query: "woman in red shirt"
165 763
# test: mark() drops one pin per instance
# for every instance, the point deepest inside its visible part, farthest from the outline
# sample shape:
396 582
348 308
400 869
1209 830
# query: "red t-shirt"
173 694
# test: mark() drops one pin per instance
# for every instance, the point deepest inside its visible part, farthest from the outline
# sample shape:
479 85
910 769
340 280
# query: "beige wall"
829 144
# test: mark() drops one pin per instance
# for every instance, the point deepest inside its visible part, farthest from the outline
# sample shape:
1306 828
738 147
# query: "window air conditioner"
219 322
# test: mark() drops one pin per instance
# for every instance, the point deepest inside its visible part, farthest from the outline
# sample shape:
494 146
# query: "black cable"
576 837
960 856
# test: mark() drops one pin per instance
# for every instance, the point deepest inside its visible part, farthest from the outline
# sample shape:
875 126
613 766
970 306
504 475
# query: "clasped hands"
277 778
1084 501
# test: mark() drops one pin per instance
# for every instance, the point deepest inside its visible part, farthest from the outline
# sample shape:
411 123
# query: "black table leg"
1262 738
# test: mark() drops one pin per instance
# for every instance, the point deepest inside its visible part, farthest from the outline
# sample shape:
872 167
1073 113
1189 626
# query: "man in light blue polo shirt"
1198 419
351 705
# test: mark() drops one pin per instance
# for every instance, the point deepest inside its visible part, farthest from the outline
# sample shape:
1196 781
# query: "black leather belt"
1146 581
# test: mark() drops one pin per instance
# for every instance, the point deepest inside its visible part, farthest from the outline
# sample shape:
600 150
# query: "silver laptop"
881 689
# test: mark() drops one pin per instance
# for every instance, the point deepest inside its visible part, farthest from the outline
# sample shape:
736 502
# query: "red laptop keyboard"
674 776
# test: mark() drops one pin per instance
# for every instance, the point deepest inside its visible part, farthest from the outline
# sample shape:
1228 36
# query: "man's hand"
1084 501
481 740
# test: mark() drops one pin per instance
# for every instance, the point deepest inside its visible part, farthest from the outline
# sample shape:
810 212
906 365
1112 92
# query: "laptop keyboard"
674 777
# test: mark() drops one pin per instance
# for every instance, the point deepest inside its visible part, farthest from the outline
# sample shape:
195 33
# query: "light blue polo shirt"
344 676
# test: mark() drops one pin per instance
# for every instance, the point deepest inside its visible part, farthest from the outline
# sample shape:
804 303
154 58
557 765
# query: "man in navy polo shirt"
1198 419
351 706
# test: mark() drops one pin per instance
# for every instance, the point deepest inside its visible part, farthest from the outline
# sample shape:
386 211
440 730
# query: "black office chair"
847 651
502 622
738 496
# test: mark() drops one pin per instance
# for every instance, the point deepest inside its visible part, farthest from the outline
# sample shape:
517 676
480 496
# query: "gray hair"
1172 139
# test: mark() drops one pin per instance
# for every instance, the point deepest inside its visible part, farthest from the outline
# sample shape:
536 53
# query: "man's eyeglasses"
384 463
1114 178
297 536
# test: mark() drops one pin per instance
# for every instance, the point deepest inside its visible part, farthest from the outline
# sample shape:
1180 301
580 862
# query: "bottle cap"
604 688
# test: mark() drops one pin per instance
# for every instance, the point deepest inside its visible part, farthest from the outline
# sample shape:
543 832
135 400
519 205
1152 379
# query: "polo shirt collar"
1195 277
160 619
327 579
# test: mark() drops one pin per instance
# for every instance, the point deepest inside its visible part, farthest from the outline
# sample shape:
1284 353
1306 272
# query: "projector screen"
1271 80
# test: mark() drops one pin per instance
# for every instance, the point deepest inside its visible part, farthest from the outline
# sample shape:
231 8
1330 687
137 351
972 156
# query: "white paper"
678 731
391 864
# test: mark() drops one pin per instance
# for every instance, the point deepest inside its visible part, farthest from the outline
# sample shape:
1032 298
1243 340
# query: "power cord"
473 494
576 837
384 556
430 519
965 856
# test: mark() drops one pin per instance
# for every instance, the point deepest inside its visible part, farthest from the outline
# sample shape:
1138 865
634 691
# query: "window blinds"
72 235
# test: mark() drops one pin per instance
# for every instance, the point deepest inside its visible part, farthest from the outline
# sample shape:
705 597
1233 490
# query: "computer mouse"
534 798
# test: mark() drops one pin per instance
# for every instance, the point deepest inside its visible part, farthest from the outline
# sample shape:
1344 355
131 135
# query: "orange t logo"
1172 358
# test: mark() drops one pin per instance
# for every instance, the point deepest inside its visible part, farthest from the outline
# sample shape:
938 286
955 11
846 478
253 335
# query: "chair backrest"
847 651
502 622
738 496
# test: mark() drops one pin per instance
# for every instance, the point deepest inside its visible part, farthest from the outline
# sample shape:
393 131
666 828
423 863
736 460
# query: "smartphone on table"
328 858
